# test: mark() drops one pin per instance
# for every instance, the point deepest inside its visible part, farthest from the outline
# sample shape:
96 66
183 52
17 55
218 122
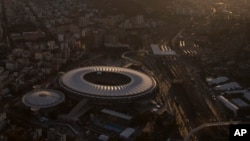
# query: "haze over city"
127 70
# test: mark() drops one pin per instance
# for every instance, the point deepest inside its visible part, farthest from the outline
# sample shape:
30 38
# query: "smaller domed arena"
43 98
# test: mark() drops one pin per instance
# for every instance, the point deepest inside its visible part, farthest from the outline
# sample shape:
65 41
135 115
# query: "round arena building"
108 83
43 98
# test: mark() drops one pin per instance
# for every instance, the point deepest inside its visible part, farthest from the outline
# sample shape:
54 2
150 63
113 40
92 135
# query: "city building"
162 50
227 86
114 121
237 102
127 133
139 19
54 135
103 138
216 81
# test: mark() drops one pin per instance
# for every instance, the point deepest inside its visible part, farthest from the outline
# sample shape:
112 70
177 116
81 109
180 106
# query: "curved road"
133 60
66 125
204 125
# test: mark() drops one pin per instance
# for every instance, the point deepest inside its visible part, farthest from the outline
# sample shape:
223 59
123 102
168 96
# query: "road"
204 125
189 100
198 97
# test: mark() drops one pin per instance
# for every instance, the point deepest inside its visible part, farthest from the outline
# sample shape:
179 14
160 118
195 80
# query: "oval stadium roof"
75 82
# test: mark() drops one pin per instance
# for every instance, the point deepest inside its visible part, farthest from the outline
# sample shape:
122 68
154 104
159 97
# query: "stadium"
42 98
107 83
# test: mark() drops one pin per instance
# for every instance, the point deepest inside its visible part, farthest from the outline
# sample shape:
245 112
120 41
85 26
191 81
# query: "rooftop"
228 86
217 80
135 83
163 50
117 114
43 98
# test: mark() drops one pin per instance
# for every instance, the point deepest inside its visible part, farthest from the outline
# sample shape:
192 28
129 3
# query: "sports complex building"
108 83
42 99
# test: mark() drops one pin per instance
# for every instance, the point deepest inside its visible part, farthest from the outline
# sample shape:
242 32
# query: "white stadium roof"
43 98
140 83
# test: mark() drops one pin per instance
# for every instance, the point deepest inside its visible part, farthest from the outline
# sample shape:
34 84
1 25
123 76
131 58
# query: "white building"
127 133
228 86
103 138
216 81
